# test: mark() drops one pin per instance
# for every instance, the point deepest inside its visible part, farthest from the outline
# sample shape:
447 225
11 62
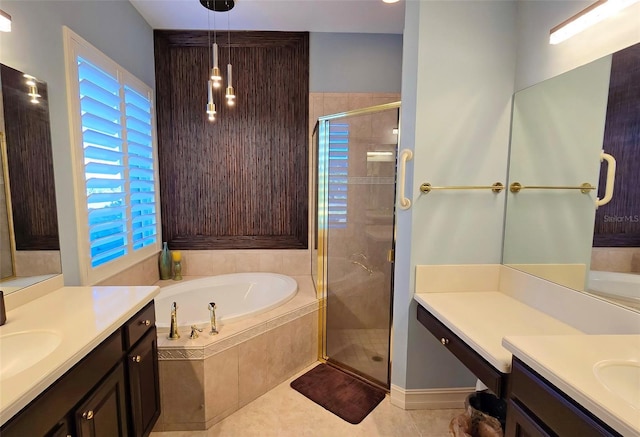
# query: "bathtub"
622 287
236 295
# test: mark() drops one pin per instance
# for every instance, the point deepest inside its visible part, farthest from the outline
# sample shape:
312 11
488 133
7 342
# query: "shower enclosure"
355 174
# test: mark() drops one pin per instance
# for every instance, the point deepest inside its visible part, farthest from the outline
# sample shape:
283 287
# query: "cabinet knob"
136 358
444 341
145 322
88 415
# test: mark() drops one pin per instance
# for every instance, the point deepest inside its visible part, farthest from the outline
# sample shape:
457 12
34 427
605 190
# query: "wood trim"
242 181
429 399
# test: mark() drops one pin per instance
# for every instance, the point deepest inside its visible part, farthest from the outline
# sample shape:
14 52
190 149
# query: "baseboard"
429 399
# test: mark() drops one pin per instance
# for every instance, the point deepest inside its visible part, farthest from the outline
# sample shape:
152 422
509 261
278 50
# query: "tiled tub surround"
219 262
616 259
202 381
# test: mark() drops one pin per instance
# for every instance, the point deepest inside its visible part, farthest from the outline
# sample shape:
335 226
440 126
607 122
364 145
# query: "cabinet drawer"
139 324
558 412
485 372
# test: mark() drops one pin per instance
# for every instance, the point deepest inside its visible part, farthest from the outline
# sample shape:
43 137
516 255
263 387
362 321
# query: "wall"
440 230
355 63
538 60
459 65
35 46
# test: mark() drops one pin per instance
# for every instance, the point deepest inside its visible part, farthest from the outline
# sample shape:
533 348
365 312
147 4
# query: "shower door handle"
405 155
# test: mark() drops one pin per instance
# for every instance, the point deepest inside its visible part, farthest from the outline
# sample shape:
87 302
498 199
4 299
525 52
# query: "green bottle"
164 262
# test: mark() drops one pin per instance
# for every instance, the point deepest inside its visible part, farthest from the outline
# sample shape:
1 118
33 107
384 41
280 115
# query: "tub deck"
234 332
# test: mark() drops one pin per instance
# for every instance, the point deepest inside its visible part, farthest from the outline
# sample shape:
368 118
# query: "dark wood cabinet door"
521 424
143 387
62 429
104 413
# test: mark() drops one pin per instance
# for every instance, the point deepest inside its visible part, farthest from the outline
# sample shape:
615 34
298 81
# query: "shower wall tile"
359 100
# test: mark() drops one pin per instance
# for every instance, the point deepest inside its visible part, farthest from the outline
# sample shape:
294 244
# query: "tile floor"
283 412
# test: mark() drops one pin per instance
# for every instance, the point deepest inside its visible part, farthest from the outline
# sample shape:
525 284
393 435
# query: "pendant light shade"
230 94
216 76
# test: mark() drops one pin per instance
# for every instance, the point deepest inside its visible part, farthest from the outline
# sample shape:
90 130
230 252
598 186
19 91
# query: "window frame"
75 46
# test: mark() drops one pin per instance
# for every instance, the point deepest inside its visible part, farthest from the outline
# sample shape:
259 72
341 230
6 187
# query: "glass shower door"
356 196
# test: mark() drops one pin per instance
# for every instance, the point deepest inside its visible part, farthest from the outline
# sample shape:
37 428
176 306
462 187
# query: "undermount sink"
21 350
621 378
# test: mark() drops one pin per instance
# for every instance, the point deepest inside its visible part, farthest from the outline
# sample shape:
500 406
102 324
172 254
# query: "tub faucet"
212 311
194 332
173 330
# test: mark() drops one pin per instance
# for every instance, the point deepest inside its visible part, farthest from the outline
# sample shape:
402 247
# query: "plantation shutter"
104 162
117 142
338 174
141 173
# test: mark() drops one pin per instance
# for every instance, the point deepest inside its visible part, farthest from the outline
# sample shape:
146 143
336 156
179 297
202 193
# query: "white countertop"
568 361
83 317
482 319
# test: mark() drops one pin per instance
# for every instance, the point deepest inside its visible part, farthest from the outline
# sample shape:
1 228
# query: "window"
338 175
113 138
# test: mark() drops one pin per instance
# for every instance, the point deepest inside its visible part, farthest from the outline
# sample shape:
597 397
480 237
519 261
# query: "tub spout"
212 311
173 330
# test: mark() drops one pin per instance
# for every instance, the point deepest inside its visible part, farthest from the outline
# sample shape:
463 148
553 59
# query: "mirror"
559 129
29 245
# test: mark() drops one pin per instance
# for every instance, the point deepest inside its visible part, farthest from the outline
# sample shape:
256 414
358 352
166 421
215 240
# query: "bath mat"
344 395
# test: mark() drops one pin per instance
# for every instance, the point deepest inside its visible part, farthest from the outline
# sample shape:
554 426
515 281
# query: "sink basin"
621 378
21 350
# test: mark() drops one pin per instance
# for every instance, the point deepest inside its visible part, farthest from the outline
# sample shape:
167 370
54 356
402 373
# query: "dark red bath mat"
344 395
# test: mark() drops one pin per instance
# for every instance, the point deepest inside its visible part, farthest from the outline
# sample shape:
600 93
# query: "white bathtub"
236 296
624 287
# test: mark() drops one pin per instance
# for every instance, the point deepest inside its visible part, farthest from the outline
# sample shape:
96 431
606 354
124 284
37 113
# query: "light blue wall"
457 86
35 46
355 63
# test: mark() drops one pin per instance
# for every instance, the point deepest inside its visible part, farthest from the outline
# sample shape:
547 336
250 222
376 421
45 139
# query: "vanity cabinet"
112 392
536 408
144 394
495 380
104 413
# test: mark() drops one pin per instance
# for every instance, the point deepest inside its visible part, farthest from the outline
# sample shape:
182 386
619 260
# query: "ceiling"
357 16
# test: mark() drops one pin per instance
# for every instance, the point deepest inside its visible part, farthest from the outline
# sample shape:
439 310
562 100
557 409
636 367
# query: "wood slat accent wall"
618 222
30 164
241 181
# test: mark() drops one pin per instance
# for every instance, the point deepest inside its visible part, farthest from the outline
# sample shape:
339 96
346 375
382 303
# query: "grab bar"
611 179
405 156
496 187
516 187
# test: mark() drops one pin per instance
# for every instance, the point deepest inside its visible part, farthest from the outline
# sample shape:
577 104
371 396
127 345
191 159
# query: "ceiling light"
5 21
391 1
587 17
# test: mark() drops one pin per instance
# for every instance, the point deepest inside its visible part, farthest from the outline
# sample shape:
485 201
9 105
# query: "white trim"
429 399
75 45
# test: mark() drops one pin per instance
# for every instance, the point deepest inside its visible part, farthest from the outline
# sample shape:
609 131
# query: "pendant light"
211 107
215 77
229 94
